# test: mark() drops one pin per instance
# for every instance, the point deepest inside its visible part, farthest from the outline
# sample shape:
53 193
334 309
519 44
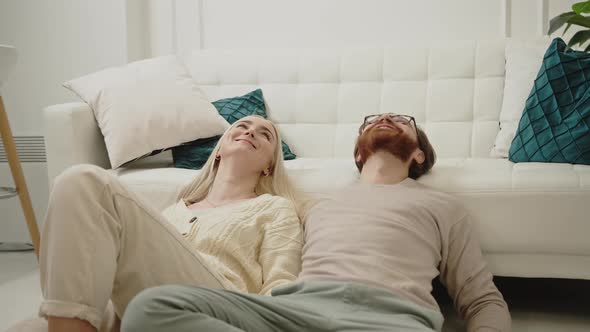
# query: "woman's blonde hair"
276 183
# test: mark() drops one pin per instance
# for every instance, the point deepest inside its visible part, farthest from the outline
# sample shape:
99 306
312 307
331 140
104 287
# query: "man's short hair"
416 170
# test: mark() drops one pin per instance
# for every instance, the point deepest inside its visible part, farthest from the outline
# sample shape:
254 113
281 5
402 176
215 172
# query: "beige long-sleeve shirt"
400 237
255 245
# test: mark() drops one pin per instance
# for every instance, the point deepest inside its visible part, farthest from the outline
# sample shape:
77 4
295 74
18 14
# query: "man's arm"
469 282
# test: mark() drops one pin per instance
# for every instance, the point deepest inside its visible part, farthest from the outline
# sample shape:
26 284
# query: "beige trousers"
101 242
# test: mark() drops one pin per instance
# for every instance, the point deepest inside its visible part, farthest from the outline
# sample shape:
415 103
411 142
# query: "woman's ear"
358 158
419 157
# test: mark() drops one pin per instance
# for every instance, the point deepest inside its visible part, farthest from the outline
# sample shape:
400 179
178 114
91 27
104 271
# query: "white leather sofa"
533 219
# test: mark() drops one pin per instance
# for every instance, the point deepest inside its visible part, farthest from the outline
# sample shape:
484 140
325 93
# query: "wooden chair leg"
19 179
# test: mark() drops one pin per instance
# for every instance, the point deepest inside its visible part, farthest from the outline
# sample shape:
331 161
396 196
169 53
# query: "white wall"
182 25
63 39
56 40
309 23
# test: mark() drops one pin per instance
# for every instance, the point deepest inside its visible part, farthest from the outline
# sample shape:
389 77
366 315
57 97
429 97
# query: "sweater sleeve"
280 251
470 283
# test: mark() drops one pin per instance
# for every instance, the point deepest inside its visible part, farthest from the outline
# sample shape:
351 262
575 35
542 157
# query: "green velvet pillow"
554 126
193 155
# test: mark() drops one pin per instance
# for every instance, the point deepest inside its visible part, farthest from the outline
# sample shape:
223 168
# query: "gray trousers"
297 307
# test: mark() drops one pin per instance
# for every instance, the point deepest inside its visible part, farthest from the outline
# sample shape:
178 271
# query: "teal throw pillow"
193 155
555 124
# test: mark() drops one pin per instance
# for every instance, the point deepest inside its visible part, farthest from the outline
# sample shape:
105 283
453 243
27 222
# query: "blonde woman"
234 227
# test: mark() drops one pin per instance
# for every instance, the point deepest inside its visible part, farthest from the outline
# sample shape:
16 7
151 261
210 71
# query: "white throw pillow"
147 106
523 60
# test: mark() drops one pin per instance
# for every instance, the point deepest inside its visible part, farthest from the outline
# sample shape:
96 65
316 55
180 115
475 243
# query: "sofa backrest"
319 97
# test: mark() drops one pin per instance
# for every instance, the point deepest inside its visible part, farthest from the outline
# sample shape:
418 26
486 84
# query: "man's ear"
419 157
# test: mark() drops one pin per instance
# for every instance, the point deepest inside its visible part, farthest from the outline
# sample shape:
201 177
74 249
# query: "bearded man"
371 252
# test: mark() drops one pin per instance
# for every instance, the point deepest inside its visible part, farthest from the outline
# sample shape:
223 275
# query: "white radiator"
31 151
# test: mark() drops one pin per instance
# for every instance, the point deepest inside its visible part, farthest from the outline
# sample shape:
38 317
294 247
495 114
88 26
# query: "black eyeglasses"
407 120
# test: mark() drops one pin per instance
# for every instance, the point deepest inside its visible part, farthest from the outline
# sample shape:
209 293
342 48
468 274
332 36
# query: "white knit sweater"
254 245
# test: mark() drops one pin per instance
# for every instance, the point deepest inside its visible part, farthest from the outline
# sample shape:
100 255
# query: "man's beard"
394 141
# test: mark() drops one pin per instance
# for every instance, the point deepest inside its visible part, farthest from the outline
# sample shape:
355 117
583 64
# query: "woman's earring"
266 172
217 158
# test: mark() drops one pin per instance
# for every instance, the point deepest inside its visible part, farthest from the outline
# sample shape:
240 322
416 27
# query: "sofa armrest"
72 137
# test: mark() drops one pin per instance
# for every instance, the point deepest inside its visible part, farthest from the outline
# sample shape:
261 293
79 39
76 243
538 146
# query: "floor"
536 305
539 305
20 292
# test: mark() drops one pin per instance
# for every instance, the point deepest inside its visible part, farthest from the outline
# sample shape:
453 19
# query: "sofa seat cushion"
544 198
500 175
454 175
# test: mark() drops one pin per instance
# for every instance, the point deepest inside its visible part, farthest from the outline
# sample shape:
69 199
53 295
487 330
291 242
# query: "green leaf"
567 27
580 20
579 37
581 7
559 20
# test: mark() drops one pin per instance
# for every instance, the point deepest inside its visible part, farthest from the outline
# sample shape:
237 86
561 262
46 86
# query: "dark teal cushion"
193 155
554 126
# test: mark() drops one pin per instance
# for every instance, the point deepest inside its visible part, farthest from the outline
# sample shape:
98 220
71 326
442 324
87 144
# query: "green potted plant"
578 16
